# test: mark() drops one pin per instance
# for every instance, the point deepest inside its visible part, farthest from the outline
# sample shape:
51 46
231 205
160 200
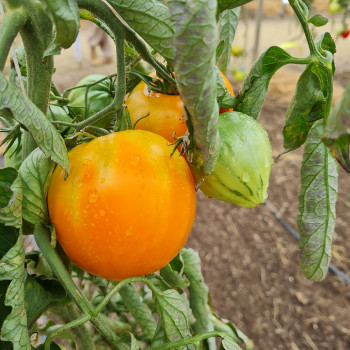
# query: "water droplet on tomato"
267 163
134 160
246 177
103 180
93 196
102 213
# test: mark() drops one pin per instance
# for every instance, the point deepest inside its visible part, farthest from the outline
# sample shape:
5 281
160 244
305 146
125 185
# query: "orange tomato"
230 90
166 113
126 208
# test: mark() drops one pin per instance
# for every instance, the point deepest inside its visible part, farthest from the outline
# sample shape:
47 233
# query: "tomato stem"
77 322
12 22
42 238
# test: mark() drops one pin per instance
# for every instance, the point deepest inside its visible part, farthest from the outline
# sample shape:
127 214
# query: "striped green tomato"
242 170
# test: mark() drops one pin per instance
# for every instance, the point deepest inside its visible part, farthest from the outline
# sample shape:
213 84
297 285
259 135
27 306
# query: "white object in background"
77 49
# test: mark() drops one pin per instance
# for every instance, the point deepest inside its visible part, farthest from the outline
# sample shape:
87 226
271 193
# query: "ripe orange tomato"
166 113
230 90
126 208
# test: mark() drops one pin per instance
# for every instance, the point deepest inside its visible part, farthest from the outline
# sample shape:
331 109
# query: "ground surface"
250 262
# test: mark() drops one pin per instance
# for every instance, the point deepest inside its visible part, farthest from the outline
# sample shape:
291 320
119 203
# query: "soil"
249 260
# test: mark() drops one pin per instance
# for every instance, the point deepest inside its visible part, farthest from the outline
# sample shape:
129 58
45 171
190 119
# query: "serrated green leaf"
225 326
256 83
195 71
39 293
317 198
65 16
173 273
337 137
228 25
10 197
198 295
151 20
140 311
13 102
309 103
230 4
174 314
14 327
318 20
35 174
229 344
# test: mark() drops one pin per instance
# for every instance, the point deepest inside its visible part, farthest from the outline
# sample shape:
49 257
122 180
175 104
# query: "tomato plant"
117 214
107 203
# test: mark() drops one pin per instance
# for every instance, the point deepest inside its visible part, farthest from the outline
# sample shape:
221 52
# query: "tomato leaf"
309 103
224 326
195 71
151 20
10 197
140 311
318 20
65 16
14 327
228 25
39 293
172 273
174 314
15 104
224 97
229 344
317 198
252 95
230 4
337 137
198 294
35 174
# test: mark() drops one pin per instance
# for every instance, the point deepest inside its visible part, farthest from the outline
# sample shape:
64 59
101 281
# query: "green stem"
11 24
303 21
306 60
187 341
100 10
42 238
36 35
81 335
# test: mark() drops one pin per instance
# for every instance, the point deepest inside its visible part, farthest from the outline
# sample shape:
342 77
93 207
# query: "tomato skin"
126 208
166 112
99 97
230 90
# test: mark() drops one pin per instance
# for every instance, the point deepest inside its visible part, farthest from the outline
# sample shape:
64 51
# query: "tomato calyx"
157 85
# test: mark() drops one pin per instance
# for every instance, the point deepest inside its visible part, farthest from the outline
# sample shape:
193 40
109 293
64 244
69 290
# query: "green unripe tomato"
242 170
334 7
99 97
236 50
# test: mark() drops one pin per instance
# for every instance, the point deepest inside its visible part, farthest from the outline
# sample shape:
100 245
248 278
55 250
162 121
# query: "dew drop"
102 213
103 180
267 163
93 196
246 177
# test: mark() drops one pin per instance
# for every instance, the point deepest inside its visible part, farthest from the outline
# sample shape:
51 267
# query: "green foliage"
228 25
318 194
337 137
195 20
65 16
